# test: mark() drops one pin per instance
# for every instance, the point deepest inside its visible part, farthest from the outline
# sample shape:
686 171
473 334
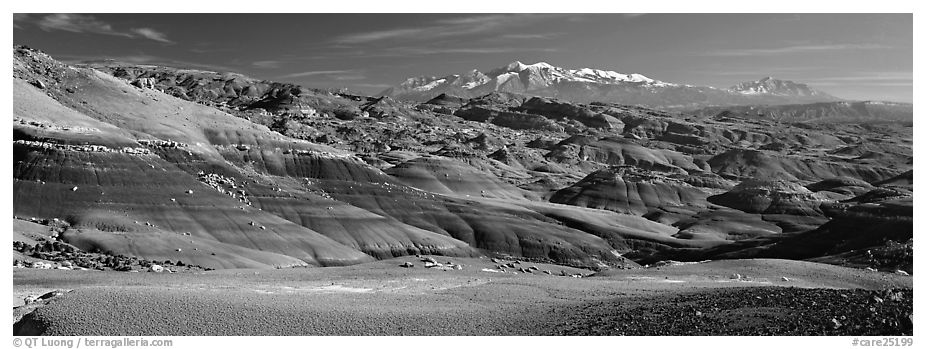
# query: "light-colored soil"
382 298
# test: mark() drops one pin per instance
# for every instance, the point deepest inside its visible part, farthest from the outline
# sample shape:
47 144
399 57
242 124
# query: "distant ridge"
842 111
771 86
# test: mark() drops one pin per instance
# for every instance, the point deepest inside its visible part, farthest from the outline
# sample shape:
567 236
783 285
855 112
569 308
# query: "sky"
852 56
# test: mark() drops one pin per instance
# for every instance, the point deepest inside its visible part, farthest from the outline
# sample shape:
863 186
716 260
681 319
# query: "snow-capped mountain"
587 85
543 74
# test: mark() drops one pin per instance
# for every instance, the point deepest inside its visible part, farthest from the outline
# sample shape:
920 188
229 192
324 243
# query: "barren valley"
213 203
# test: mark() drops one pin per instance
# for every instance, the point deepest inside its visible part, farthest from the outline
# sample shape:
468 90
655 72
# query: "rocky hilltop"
220 170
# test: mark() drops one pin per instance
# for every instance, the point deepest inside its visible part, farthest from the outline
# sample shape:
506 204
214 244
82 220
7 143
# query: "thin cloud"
378 35
792 50
410 51
152 34
143 59
77 23
20 18
208 49
888 78
267 64
80 23
873 76
760 71
528 36
317 72
473 20
351 77
448 27
863 83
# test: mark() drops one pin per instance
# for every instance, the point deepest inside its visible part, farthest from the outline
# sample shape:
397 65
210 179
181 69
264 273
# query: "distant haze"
852 56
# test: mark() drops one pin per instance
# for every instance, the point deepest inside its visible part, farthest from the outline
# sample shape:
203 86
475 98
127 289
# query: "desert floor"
737 297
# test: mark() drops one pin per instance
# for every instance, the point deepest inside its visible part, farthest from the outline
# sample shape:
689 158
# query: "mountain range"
587 85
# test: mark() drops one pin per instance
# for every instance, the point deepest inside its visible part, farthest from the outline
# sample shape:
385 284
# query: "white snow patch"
431 85
502 79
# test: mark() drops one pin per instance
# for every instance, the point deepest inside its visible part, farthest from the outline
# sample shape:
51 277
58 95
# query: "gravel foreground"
748 312
384 299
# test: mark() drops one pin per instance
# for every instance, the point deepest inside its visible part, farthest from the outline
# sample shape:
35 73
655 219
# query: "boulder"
51 294
144 83
30 299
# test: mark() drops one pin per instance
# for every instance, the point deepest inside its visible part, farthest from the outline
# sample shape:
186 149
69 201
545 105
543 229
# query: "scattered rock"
30 299
51 294
407 265
41 265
